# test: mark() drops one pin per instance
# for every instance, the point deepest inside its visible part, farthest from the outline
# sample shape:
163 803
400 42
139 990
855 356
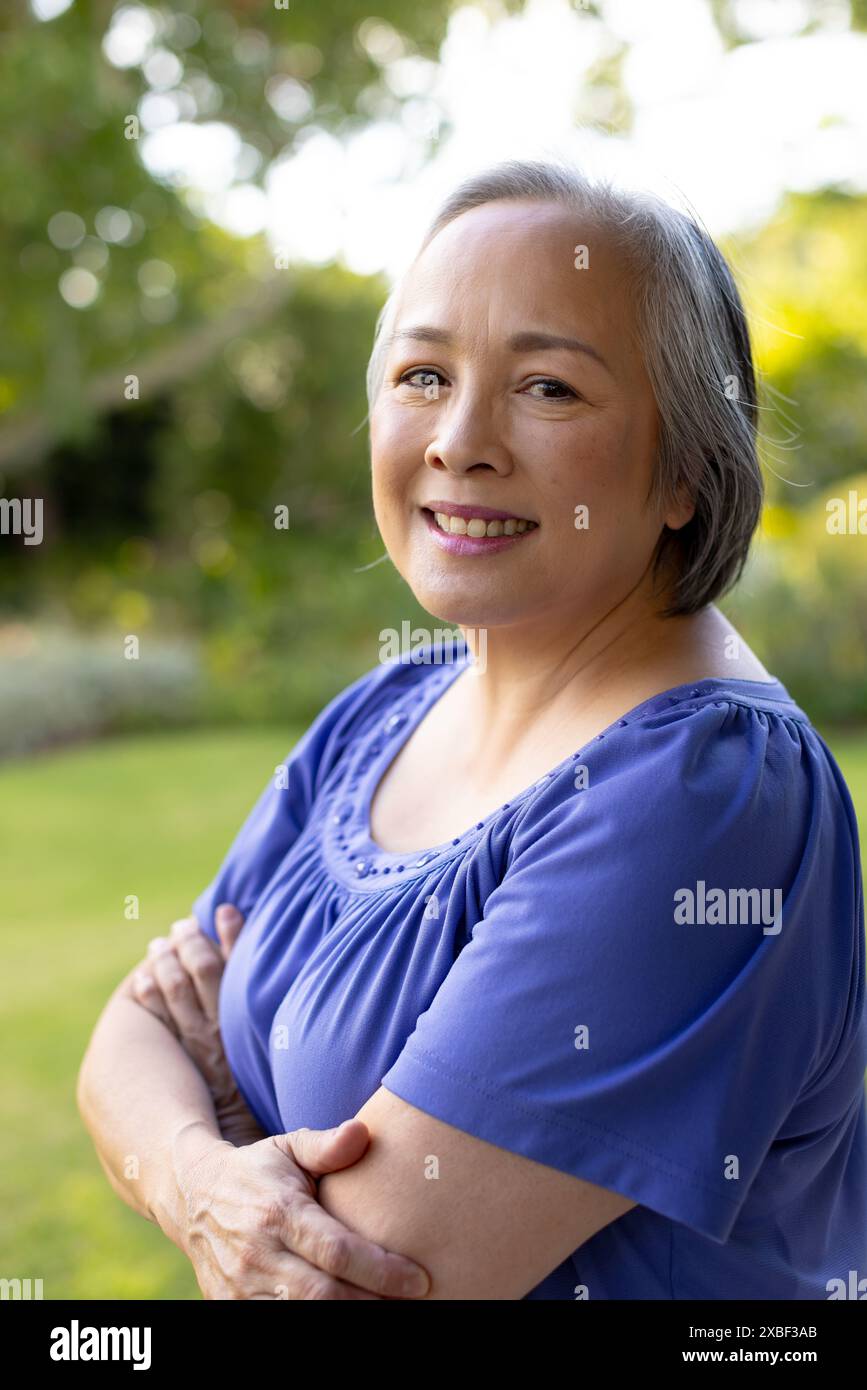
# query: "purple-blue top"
646 969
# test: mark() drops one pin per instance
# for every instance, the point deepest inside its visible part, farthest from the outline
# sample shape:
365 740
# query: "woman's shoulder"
719 804
690 760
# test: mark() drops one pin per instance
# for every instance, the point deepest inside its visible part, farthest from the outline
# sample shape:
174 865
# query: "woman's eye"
558 386
423 378
428 376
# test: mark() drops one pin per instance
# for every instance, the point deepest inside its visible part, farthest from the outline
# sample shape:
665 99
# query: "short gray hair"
691 328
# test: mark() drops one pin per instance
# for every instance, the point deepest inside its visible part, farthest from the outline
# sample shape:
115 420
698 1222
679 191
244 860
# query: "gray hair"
691 328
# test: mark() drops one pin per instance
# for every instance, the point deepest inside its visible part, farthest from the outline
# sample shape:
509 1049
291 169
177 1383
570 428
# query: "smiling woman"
461 890
664 356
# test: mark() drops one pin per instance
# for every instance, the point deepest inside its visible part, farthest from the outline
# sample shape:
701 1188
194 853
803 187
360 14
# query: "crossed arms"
485 1223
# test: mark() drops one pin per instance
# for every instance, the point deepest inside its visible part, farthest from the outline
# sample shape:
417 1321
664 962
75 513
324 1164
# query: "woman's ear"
682 509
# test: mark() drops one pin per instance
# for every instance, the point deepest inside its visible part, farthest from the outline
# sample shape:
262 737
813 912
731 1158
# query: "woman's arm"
248 1218
141 1098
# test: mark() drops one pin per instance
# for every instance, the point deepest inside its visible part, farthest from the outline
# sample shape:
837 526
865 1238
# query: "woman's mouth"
475 535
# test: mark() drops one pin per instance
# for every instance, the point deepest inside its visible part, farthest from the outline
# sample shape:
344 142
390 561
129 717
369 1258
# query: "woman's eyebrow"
531 340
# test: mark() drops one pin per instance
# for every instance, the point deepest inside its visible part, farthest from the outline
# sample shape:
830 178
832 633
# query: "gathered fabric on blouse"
646 970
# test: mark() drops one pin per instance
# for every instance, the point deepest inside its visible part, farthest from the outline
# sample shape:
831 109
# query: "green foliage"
803 604
160 511
804 280
68 107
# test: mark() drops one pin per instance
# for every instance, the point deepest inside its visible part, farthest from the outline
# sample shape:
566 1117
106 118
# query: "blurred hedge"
57 686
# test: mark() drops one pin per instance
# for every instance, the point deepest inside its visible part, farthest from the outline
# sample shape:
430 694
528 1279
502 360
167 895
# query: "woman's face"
477 410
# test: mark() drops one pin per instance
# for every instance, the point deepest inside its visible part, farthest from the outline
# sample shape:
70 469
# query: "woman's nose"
466 436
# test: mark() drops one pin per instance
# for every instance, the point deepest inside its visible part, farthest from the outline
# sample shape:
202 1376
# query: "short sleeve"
601 1018
281 811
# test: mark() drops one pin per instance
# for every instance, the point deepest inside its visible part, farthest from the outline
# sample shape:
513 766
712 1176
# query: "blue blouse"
646 969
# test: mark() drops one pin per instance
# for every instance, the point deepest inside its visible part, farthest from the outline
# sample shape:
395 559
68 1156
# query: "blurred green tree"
161 508
163 288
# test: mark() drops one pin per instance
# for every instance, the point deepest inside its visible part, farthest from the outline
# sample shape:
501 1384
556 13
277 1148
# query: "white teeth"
478 527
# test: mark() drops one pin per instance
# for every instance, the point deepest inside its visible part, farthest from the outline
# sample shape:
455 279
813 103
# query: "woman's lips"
455 544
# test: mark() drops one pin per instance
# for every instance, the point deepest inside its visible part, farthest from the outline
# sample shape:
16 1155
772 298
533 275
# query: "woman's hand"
239 1224
179 982
252 1226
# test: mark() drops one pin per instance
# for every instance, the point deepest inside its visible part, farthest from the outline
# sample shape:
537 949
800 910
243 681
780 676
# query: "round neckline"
368 865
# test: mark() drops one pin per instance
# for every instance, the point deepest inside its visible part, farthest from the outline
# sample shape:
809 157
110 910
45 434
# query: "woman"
573 938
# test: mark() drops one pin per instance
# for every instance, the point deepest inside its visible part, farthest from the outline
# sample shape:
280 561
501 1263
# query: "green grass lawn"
82 830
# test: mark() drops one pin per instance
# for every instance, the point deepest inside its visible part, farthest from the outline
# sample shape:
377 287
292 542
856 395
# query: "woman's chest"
418 805
320 1001
437 786
433 791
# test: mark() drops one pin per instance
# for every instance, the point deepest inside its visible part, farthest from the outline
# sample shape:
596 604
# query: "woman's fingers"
198 1031
177 988
320 1151
252 1227
295 1250
320 1238
228 921
203 962
148 994
185 997
323 1242
272 1274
